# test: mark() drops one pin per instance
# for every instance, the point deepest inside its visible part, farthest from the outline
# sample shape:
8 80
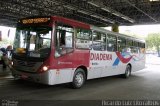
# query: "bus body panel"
70 22
73 59
101 65
98 63
138 62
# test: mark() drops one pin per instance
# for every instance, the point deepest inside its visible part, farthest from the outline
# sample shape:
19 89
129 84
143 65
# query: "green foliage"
153 40
5 42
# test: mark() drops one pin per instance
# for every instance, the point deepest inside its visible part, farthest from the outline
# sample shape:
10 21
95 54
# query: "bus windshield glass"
33 42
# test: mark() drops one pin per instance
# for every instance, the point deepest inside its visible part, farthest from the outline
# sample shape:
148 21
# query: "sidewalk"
4 72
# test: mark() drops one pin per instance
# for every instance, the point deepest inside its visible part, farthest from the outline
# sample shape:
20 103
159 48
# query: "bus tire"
79 78
127 72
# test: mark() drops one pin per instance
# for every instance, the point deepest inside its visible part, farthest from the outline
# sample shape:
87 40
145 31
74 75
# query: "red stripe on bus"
122 59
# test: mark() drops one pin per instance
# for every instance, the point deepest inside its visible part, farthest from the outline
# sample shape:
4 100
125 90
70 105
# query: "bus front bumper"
44 78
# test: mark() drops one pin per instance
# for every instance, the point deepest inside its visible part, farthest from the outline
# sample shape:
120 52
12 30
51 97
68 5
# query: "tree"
153 40
5 42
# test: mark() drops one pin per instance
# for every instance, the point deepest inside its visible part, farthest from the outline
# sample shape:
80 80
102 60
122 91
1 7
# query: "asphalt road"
142 85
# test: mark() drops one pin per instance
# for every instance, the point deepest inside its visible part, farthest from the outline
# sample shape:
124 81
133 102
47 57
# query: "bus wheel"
127 72
78 78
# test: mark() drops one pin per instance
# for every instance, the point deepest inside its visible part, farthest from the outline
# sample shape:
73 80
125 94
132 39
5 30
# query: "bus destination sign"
35 20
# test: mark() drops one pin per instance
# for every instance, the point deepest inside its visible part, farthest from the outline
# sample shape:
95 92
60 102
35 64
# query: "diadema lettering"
100 56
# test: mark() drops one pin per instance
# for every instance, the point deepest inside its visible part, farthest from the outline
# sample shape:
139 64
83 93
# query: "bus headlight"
12 63
45 68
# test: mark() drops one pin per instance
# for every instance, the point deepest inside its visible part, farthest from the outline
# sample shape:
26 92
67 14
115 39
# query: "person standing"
4 61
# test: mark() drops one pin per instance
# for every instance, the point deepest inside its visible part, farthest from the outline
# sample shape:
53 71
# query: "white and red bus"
54 50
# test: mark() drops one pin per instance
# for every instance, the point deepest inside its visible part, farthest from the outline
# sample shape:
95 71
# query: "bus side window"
111 42
99 41
141 47
135 48
83 38
63 39
121 44
129 45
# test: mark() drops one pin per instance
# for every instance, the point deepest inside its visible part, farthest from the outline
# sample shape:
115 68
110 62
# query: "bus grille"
27 66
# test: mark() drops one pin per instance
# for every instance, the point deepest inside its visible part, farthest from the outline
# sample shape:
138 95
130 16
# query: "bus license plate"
24 76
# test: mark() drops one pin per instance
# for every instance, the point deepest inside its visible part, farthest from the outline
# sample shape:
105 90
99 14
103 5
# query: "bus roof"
71 22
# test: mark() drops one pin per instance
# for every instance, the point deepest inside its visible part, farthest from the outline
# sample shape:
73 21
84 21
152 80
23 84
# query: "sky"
142 30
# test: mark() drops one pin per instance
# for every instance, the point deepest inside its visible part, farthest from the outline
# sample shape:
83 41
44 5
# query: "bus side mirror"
90 48
57 54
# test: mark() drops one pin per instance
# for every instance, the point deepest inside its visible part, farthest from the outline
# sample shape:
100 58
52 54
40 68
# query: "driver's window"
63 39
45 39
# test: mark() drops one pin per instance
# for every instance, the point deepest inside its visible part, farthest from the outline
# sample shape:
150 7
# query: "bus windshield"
33 42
